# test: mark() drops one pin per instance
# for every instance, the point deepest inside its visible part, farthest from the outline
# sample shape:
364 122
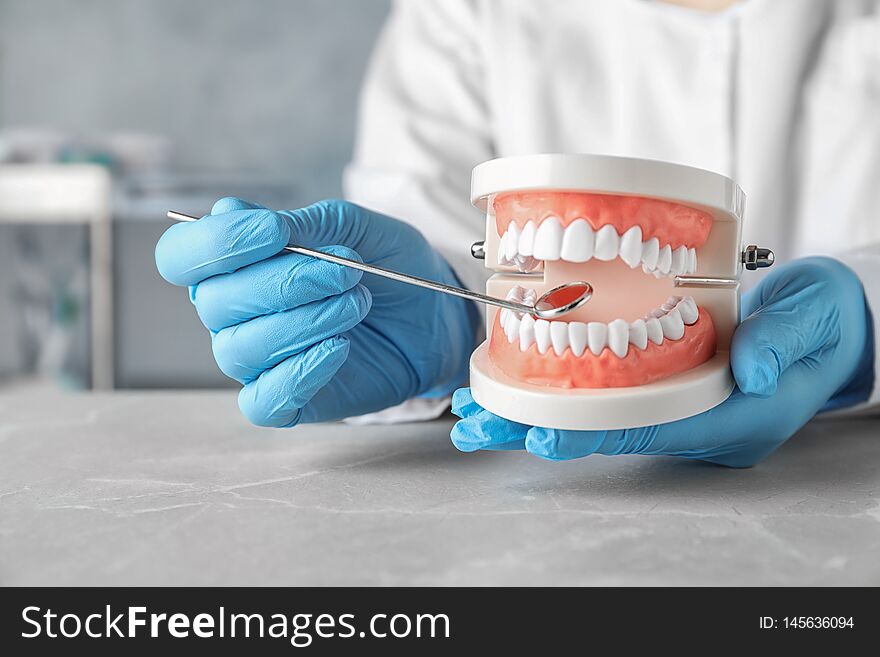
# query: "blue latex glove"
806 344
310 340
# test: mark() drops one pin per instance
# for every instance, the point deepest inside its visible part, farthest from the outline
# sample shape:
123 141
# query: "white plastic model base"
673 398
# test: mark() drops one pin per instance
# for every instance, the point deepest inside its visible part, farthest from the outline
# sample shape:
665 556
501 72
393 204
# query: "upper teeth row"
578 242
665 322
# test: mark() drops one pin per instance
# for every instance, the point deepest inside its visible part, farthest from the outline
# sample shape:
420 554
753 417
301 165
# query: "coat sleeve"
423 125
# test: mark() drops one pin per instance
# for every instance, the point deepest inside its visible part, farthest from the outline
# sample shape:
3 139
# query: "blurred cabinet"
72 194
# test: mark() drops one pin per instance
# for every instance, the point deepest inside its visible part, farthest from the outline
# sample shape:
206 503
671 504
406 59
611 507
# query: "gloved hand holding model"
805 344
312 341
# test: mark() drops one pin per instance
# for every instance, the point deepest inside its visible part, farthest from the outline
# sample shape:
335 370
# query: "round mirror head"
563 299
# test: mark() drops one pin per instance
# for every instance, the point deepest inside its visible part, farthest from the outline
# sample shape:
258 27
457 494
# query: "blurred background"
112 112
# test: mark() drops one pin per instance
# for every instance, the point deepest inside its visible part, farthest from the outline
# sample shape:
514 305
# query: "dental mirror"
554 303
562 300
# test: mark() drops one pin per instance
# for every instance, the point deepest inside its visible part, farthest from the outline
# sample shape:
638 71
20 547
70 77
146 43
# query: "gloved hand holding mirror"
310 340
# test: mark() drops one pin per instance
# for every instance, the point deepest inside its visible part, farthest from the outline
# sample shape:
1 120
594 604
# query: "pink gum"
671 223
605 370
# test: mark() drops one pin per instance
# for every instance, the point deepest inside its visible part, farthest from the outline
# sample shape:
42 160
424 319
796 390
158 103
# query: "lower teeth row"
666 322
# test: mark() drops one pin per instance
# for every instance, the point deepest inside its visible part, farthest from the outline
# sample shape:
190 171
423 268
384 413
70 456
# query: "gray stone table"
176 488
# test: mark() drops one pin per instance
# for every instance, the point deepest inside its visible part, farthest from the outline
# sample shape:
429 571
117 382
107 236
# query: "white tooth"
657 312
542 334
607 243
502 250
577 337
502 317
559 337
650 253
670 304
527 239
688 309
529 296
516 293
511 252
526 332
631 246
618 337
692 261
512 240
638 334
664 261
512 328
525 263
578 241
673 327
654 330
679 260
548 240
597 333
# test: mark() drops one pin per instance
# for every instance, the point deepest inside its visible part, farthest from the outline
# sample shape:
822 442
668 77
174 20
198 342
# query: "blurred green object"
47 294
67 309
74 154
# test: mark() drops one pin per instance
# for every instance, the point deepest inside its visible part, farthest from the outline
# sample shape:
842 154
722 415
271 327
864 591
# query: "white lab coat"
781 95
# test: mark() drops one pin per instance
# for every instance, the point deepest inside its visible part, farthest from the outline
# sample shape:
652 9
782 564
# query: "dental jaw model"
660 245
